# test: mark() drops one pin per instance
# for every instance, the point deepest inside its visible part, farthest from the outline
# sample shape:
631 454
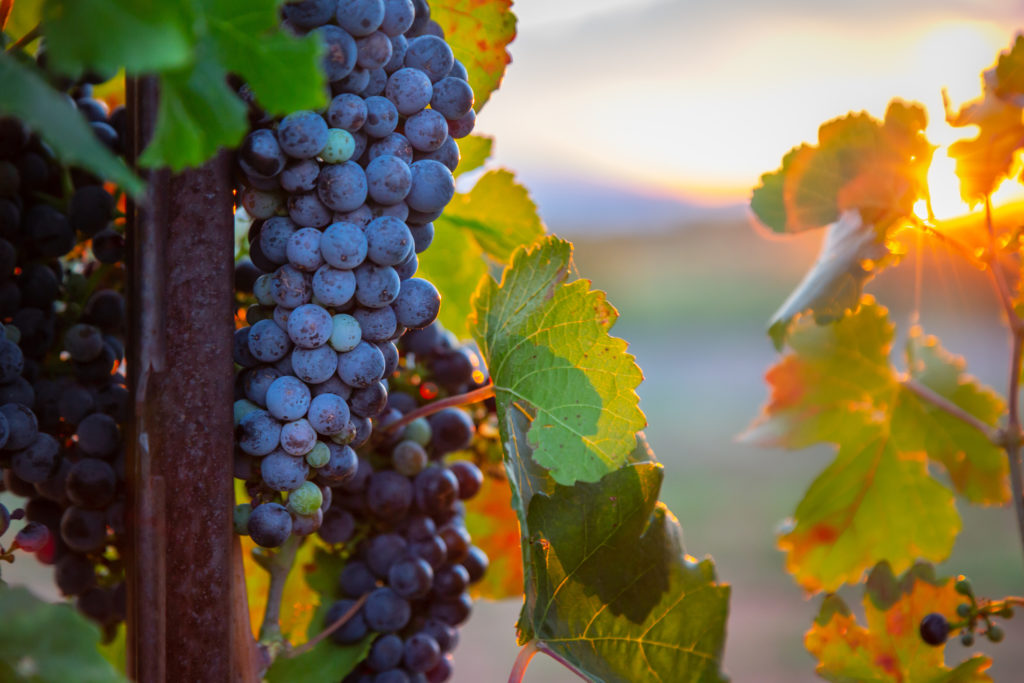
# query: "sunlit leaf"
982 162
478 228
889 647
608 585
877 500
474 150
491 521
479 32
139 35
30 98
833 286
875 167
48 643
546 343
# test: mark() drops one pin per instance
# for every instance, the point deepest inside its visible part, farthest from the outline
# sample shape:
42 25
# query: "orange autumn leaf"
494 527
889 647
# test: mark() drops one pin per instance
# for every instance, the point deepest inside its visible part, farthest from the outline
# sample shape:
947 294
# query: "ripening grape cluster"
412 558
342 201
63 394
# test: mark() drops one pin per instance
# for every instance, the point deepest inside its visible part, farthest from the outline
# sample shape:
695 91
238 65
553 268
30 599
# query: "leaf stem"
278 566
952 409
523 659
26 39
341 621
475 396
558 658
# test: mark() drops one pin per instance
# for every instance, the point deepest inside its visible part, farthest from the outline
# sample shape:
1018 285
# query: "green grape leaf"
474 151
29 97
832 287
889 647
282 70
876 167
877 500
498 213
608 585
478 228
479 32
546 342
22 18
197 114
106 35
982 162
47 643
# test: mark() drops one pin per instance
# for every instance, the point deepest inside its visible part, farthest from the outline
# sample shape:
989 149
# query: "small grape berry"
963 610
963 587
967 639
995 634
934 629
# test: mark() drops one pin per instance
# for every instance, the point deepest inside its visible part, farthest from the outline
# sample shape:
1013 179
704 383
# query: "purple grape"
426 130
316 365
333 287
409 89
381 116
339 57
388 180
344 245
328 414
283 472
342 187
288 398
270 525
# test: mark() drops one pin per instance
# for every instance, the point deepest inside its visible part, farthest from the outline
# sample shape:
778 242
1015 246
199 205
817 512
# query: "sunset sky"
681 102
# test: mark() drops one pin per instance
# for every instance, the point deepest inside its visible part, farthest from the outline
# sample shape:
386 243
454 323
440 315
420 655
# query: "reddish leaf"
479 32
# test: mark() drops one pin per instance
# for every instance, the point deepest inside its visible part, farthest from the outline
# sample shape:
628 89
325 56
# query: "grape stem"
1011 440
475 396
341 621
26 39
526 654
278 566
952 409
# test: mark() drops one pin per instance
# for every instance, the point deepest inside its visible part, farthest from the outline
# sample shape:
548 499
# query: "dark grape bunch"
342 201
413 558
63 395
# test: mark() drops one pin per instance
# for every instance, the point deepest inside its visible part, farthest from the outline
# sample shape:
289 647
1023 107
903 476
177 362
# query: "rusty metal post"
180 304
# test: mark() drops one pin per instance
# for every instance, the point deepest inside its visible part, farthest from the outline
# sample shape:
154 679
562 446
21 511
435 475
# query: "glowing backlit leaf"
889 647
876 167
479 32
545 340
478 228
491 521
474 150
984 161
877 500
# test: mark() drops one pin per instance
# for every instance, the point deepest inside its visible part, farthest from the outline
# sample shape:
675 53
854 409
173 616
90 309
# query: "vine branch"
339 622
475 396
26 39
952 409
1011 440
278 566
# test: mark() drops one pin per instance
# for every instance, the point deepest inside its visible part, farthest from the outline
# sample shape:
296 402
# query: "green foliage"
190 47
547 345
45 643
478 228
609 587
474 151
30 98
877 500
479 32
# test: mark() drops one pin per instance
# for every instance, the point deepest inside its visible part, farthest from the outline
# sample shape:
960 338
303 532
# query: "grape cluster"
63 395
342 201
402 519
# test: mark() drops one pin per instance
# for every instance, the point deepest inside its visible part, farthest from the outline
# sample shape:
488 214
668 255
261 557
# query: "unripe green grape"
963 587
345 333
409 458
963 610
1006 612
319 456
262 290
241 518
967 639
995 634
242 408
306 499
340 146
418 430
